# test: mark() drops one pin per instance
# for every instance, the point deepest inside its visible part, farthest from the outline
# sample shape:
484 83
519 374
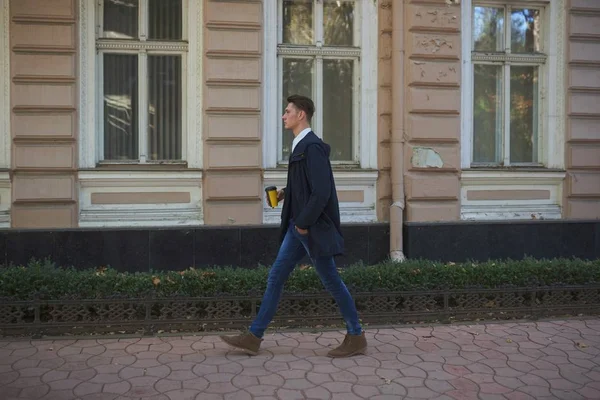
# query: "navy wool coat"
311 198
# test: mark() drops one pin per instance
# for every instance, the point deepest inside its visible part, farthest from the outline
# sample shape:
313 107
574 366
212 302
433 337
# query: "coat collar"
310 138
299 138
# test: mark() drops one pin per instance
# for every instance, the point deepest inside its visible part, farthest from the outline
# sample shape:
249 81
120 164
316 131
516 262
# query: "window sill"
513 168
135 166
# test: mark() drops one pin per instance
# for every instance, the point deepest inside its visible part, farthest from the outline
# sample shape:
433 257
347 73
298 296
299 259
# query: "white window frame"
91 152
365 102
551 96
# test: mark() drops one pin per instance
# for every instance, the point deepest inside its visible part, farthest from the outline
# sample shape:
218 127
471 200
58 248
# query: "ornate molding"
130 45
316 51
516 58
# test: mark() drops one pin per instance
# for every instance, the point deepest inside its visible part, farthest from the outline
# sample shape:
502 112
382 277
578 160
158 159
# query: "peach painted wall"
583 102
232 114
43 50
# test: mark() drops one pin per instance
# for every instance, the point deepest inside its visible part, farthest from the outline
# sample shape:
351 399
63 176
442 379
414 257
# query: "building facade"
144 113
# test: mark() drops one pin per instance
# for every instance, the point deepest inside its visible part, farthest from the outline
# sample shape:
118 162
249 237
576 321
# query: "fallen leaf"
581 345
508 340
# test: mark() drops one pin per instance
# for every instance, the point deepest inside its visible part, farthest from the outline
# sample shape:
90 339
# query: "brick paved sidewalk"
543 360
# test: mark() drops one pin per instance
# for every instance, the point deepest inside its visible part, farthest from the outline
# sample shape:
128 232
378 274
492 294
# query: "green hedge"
46 281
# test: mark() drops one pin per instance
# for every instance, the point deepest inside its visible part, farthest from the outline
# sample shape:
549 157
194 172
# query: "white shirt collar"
300 136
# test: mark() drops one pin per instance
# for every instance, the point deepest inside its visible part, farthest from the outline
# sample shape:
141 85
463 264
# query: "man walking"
310 224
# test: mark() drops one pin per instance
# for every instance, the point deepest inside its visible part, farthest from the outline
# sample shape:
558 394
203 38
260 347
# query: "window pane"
121 19
164 108
297 79
523 114
488 29
164 20
338 96
487 114
120 107
298 21
338 23
525 31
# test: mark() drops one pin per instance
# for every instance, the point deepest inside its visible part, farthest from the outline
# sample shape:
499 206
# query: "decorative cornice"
133 45
318 51
516 58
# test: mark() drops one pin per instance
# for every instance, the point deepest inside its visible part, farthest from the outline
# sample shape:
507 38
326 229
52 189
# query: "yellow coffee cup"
271 192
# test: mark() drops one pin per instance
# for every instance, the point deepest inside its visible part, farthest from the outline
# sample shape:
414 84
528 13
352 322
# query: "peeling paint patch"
434 44
426 157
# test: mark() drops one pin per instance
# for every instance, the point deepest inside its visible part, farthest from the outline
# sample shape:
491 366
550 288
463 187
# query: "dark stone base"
249 246
481 241
137 250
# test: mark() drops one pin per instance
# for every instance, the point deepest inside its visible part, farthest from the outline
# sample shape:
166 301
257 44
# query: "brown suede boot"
352 345
246 342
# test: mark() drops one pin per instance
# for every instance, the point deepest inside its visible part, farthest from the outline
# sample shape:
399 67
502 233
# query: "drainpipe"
397 136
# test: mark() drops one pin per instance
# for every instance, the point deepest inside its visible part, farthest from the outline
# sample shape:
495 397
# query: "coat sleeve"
317 167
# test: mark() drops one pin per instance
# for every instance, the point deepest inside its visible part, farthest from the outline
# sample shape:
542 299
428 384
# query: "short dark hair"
303 103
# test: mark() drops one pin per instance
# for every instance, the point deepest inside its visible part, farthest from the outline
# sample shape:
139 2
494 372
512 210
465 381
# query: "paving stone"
366 392
409 382
456 362
318 379
338 387
589 393
566 395
393 388
290 394
182 394
293 374
518 396
196 384
536 391
438 386
30 393
321 393
65 384
221 388
563 384
239 395
344 376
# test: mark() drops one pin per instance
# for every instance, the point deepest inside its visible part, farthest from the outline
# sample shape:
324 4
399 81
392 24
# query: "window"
513 108
318 53
508 66
142 47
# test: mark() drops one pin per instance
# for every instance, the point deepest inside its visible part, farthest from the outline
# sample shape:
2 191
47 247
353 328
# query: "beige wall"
43 37
583 102
232 98
43 65
432 110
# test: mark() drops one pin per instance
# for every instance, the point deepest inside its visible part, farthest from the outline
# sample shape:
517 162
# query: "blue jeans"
292 250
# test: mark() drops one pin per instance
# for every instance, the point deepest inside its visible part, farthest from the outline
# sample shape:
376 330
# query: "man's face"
292 117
